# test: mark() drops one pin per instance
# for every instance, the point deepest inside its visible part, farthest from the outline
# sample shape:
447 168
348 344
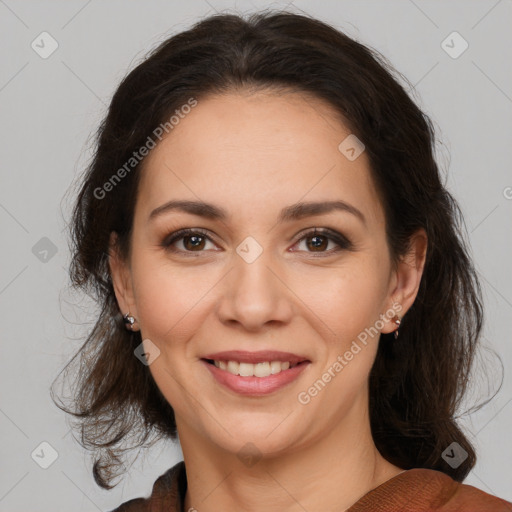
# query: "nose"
255 294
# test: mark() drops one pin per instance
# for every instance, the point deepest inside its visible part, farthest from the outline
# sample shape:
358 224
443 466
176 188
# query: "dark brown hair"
417 382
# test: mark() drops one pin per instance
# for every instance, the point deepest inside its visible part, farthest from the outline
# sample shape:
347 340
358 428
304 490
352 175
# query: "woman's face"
256 279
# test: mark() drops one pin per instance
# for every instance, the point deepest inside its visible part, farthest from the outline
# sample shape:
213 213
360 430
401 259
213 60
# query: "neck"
331 473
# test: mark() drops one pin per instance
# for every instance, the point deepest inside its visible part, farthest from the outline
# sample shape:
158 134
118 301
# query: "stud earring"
397 322
129 321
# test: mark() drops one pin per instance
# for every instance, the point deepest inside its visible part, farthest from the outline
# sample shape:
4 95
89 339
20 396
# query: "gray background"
50 107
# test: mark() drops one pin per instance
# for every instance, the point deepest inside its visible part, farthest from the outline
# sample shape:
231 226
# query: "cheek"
171 304
350 306
170 300
347 299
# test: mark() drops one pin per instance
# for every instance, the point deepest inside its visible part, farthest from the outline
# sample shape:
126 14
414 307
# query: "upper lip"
260 356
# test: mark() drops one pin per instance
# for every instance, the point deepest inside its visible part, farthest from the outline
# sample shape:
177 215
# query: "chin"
265 436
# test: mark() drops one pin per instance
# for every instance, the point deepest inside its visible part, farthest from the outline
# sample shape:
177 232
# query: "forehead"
256 153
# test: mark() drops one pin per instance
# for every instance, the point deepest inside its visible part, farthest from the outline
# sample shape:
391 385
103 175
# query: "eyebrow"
289 213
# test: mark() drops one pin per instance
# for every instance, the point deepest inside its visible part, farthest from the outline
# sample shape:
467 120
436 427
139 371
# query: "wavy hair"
417 381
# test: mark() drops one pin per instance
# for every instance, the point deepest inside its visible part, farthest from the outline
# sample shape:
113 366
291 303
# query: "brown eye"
318 241
191 241
322 241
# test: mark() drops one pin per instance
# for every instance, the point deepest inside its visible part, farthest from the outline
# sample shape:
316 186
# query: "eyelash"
342 242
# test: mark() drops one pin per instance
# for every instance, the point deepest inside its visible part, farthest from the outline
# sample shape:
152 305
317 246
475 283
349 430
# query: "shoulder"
164 496
468 498
428 490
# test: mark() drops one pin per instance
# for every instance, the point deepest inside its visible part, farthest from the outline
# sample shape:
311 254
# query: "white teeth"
233 367
245 369
275 367
263 369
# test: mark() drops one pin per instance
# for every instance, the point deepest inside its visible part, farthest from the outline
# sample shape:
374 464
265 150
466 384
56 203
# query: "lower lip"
256 386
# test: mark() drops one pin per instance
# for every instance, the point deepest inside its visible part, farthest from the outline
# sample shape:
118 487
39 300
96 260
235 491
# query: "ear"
121 278
406 281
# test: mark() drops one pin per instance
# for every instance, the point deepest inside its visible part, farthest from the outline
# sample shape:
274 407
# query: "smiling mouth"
261 369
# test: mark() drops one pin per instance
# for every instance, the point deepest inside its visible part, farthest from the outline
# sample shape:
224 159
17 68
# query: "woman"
282 278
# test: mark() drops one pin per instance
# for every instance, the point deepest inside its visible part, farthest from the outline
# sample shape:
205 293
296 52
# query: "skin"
253 154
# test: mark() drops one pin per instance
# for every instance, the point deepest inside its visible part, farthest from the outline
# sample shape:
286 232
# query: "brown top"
415 490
